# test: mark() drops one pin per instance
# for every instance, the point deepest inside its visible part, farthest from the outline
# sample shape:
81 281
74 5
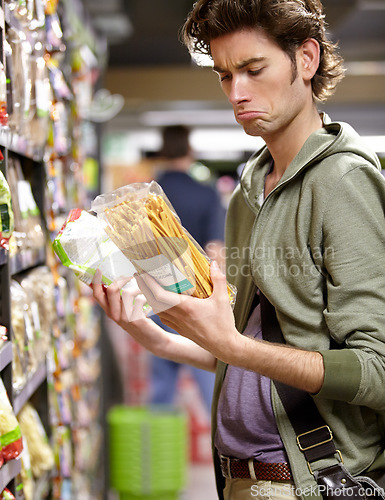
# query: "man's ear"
308 58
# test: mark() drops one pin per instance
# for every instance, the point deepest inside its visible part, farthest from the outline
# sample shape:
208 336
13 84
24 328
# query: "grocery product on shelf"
7 495
40 452
3 335
6 212
25 481
10 434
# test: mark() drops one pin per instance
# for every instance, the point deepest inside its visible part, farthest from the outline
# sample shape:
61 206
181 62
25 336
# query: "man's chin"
252 130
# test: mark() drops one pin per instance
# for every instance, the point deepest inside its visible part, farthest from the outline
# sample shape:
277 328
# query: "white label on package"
165 273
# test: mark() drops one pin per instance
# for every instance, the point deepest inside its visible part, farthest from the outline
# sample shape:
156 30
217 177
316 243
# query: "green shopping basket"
148 452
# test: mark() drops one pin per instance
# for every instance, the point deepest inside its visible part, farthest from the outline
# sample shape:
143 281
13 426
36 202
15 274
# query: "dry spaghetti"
149 233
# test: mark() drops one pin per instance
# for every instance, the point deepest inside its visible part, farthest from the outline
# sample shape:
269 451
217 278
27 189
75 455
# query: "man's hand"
122 305
125 307
208 322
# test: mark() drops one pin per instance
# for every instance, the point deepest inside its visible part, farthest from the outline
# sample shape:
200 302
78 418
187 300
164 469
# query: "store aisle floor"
201 483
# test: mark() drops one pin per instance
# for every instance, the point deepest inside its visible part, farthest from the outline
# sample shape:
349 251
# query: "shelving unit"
8 472
47 168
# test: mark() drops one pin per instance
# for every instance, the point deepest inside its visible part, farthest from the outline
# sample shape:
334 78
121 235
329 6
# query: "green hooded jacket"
316 249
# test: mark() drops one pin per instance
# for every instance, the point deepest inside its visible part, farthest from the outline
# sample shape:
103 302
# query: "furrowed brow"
241 65
252 60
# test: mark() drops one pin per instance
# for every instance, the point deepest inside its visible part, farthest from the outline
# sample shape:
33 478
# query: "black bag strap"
314 437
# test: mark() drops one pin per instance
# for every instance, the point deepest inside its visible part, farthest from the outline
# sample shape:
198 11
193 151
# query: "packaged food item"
39 285
40 452
25 332
28 224
6 213
6 495
19 76
136 230
19 337
141 221
3 335
83 246
25 479
10 435
3 96
40 103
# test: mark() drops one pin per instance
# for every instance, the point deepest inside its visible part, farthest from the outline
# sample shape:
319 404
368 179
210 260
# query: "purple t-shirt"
246 422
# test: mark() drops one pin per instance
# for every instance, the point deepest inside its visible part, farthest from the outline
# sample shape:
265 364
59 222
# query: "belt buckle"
225 466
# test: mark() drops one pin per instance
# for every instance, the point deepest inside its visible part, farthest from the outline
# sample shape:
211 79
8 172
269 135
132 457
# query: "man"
306 228
201 212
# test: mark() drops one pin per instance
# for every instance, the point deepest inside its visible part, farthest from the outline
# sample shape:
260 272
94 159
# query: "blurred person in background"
202 214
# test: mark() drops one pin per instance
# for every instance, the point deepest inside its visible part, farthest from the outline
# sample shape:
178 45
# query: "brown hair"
289 23
175 141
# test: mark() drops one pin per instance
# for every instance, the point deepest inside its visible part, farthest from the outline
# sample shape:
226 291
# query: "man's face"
259 81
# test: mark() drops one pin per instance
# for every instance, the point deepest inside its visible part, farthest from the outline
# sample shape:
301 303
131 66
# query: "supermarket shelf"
5 355
19 144
30 387
25 260
3 256
8 472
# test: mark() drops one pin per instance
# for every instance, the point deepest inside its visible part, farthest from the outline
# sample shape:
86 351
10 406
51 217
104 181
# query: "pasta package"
142 223
83 246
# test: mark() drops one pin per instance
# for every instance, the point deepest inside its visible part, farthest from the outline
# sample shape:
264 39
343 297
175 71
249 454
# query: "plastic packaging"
136 231
10 434
6 213
25 479
19 336
141 221
40 452
83 246
6 495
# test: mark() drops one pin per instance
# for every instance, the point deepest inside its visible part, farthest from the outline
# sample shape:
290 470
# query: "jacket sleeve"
354 236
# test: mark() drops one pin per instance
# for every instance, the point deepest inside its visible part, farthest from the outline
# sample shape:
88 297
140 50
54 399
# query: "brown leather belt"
242 469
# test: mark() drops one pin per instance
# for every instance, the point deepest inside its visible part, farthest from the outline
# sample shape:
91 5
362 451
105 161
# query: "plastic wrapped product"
25 479
19 337
10 435
19 80
141 221
83 246
20 220
3 97
3 335
40 452
39 284
6 495
41 98
24 341
6 213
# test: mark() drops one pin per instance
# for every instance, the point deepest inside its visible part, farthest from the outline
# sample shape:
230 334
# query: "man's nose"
238 92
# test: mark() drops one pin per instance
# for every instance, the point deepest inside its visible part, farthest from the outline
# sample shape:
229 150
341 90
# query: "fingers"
218 279
132 302
137 312
158 298
98 290
115 304
120 302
